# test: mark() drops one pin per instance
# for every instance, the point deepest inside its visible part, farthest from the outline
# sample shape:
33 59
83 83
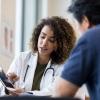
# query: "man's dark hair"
88 8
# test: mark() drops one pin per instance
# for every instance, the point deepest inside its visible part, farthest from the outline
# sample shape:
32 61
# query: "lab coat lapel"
43 80
32 63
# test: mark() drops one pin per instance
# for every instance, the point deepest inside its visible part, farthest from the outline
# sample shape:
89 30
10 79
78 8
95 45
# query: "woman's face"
46 41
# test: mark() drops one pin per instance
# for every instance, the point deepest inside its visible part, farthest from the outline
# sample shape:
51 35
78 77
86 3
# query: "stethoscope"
26 72
46 70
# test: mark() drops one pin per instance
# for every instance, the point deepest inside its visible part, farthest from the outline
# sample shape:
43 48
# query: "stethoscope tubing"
26 72
50 68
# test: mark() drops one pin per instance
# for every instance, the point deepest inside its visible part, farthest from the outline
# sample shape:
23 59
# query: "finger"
14 93
11 75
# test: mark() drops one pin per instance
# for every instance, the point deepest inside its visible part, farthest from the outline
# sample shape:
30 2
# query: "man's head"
87 12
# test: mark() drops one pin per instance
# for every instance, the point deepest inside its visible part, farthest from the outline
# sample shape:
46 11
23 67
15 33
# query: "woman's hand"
12 77
15 91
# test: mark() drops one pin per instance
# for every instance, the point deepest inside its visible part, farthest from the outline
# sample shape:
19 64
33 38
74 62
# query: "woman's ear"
85 24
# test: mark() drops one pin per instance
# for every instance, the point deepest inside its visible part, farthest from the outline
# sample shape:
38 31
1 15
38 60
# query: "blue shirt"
83 65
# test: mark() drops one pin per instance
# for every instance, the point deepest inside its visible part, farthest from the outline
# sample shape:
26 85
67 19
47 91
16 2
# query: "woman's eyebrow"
43 33
52 37
46 34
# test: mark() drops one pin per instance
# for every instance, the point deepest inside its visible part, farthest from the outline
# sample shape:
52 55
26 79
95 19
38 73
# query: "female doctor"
35 71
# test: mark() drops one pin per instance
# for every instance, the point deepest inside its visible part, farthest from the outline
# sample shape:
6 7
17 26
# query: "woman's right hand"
12 77
15 91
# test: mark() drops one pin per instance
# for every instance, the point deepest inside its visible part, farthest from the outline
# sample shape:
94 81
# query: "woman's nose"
45 42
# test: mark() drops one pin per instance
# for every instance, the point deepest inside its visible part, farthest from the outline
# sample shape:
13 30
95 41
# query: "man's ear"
85 23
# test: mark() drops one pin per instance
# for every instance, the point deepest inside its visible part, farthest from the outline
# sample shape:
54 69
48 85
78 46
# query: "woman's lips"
43 49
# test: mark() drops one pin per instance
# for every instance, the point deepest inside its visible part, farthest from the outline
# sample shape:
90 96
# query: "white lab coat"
19 66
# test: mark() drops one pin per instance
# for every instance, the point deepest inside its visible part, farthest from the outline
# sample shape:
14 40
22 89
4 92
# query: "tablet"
4 80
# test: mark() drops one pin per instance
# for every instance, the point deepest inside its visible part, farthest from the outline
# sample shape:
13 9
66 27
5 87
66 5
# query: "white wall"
29 21
18 31
59 8
55 7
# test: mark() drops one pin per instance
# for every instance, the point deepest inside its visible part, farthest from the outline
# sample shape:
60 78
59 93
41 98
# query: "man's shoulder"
91 36
93 32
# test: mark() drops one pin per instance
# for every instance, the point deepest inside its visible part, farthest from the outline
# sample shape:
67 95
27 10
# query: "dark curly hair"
64 35
88 8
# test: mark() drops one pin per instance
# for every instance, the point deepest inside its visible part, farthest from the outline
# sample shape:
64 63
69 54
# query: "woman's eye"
52 40
42 37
